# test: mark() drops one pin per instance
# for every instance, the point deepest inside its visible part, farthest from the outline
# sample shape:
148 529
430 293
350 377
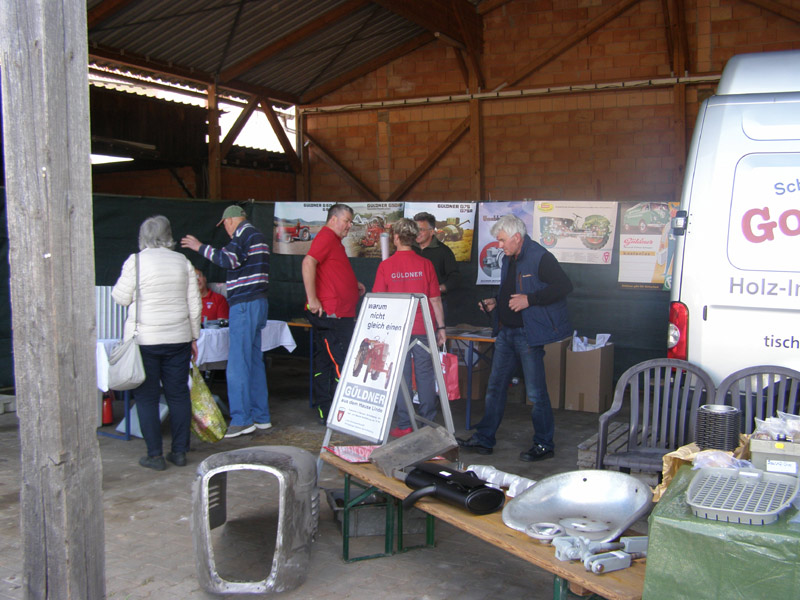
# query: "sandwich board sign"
364 402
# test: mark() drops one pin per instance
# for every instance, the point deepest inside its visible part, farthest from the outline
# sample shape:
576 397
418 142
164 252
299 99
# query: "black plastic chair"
759 392
663 396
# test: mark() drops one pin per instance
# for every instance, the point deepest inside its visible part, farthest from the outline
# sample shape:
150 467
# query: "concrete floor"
149 550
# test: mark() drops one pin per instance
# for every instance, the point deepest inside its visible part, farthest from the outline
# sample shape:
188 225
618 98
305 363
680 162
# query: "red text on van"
757 226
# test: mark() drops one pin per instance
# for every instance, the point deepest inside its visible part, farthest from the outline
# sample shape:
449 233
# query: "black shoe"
153 462
177 458
474 445
537 452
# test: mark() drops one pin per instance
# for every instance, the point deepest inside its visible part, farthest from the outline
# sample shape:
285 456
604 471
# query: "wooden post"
214 157
43 50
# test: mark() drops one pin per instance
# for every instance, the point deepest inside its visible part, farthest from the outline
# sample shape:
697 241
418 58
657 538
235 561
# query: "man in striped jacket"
246 259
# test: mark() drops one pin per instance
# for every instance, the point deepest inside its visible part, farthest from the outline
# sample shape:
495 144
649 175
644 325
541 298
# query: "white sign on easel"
365 398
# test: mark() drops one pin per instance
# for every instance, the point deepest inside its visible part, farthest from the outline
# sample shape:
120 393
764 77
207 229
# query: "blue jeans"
426 384
511 346
167 366
247 379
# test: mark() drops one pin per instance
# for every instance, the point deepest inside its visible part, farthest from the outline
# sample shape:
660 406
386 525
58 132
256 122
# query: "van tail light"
678 332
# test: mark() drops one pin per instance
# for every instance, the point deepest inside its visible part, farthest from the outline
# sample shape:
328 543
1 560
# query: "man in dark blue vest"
529 311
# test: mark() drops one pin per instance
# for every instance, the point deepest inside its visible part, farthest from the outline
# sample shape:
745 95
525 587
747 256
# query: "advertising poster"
370 220
646 245
364 401
296 224
490 256
455 223
576 231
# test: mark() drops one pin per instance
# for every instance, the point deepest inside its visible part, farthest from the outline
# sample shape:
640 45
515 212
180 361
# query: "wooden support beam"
490 5
437 16
98 52
476 151
462 66
234 132
341 170
367 67
322 21
214 157
679 127
568 42
472 37
294 161
104 10
677 39
431 160
45 104
779 9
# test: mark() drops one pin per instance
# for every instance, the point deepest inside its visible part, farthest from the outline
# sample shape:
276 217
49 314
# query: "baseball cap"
231 212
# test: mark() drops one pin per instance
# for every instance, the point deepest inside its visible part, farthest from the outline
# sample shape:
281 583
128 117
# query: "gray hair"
339 209
156 232
511 224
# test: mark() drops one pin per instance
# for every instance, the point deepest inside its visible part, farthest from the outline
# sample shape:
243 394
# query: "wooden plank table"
626 584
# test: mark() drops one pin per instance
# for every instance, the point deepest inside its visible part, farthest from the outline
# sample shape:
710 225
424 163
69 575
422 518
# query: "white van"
736 279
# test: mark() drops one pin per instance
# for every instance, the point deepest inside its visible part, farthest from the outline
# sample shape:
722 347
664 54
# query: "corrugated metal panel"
206 36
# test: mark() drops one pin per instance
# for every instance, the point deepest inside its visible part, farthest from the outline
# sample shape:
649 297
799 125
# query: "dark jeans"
167 366
331 340
511 346
426 384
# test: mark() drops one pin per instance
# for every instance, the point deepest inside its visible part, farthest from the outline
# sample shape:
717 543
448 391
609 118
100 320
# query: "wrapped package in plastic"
207 421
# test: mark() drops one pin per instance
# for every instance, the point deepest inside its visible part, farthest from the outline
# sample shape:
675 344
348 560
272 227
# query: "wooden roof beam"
341 170
677 38
294 160
105 10
779 9
568 42
290 39
111 55
439 16
238 125
430 160
367 67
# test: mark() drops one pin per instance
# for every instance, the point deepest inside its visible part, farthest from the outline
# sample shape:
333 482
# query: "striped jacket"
246 258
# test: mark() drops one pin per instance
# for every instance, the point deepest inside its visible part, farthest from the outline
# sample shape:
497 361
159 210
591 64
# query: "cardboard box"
555 372
480 379
775 457
589 378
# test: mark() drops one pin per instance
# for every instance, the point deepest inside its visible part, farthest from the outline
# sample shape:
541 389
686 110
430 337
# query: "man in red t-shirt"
332 293
215 306
407 272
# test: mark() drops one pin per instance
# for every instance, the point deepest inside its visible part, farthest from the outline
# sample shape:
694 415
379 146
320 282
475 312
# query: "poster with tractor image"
370 220
576 231
490 255
296 224
455 223
370 379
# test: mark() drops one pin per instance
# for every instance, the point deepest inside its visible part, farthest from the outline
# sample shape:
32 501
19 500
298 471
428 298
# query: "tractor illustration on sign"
373 233
289 233
593 231
451 230
372 354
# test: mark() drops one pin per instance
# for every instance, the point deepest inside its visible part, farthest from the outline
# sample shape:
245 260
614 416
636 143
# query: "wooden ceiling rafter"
379 61
258 57
439 16
277 128
489 5
105 10
237 127
779 9
97 52
568 42
472 39
341 170
677 38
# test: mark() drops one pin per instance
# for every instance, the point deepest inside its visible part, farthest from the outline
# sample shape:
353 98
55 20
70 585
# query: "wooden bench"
617 440
626 584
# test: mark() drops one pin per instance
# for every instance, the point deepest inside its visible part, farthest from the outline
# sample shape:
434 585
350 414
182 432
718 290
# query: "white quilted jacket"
170 299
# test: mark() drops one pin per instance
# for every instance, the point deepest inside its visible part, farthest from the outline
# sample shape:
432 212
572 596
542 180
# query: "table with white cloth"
212 352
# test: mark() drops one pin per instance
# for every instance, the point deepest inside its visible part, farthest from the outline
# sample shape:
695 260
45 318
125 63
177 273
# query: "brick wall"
612 145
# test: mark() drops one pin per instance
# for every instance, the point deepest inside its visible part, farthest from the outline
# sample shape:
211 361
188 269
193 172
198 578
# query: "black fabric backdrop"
636 319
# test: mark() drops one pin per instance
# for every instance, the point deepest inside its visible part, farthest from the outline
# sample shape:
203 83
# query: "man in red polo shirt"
332 293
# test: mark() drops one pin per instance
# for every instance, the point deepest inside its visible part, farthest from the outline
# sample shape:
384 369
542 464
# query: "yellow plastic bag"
207 421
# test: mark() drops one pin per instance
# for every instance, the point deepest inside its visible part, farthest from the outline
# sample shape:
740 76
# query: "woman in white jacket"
168 328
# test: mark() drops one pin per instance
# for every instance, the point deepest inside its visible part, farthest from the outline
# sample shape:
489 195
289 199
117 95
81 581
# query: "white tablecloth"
212 347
